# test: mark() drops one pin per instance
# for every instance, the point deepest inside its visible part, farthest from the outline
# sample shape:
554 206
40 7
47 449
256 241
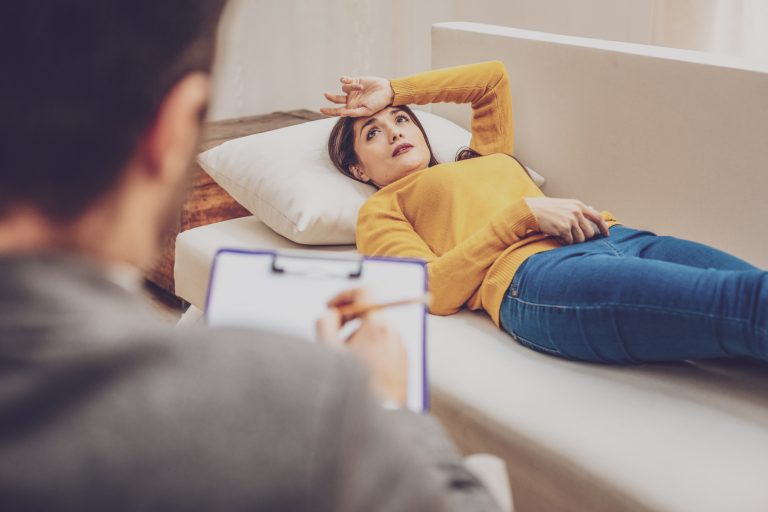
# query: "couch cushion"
576 436
196 248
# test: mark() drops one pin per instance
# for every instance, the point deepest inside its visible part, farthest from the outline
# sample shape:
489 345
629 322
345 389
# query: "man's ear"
171 142
358 173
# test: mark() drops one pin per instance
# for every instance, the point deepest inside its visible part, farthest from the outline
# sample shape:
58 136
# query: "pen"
351 311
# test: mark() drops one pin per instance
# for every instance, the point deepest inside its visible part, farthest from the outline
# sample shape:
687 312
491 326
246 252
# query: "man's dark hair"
80 82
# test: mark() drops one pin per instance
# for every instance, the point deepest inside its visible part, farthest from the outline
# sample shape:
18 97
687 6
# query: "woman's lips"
402 148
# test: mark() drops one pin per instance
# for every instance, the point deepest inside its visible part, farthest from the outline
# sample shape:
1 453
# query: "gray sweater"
103 407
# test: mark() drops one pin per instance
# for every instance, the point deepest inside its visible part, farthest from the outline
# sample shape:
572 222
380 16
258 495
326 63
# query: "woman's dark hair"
341 145
81 83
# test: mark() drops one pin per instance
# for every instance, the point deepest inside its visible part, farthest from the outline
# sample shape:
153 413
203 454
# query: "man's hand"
374 343
365 95
570 220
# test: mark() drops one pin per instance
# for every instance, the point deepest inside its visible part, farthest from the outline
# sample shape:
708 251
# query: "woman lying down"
556 274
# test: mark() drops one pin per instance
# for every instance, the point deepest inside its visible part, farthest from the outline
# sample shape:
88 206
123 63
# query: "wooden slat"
218 132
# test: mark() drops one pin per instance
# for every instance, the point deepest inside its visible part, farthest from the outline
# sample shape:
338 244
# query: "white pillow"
287 180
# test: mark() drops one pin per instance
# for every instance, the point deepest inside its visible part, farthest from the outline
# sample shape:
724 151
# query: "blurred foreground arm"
392 460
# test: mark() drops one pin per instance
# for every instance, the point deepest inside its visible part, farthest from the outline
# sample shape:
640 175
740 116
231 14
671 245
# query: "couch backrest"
669 140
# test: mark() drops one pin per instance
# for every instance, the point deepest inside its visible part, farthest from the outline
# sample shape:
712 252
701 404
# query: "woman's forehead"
360 121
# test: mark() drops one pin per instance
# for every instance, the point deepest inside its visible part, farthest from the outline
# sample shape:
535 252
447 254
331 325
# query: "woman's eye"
371 133
402 118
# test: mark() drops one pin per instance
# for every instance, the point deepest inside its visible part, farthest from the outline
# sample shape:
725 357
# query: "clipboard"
286 292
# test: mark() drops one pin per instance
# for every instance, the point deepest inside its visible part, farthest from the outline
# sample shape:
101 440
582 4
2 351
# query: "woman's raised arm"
363 96
485 85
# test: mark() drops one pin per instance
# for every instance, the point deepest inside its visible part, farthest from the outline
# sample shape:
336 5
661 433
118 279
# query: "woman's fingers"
577 233
348 88
356 112
333 111
566 234
346 112
336 98
351 85
598 219
569 220
586 226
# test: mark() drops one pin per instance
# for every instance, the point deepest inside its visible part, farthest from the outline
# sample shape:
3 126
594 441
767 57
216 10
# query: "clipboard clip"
314 265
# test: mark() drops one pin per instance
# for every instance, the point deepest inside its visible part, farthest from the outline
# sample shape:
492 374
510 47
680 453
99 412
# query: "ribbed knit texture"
468 220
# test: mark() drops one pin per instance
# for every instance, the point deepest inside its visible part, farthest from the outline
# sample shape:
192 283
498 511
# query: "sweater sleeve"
389 233
484 85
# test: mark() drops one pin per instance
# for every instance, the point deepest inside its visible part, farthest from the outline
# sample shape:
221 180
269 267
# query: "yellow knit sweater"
466 219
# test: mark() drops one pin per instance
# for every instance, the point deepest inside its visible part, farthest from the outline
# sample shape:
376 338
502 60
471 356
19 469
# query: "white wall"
282 54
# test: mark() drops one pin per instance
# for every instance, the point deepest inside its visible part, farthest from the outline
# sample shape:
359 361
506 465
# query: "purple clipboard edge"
422 263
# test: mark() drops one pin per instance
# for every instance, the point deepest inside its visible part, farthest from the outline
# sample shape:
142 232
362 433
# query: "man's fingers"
336 98
349 297
327 329
344 298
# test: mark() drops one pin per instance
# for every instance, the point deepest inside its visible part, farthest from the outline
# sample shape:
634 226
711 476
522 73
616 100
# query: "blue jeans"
636 297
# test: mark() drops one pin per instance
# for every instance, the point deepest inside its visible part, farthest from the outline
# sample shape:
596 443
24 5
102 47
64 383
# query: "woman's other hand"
377 345
570 220
364 96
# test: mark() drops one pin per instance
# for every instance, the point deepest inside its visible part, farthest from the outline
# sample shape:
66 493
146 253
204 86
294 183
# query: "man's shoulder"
241 360
249 412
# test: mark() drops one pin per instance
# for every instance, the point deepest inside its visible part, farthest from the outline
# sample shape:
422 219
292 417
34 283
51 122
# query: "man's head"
97 96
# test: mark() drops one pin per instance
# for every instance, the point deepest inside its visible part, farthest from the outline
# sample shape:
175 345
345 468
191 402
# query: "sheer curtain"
755 30
730 27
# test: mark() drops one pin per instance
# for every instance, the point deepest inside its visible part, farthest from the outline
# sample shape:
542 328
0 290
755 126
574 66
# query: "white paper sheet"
245 292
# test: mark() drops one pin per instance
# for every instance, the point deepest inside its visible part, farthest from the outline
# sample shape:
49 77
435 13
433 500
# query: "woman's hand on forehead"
363 97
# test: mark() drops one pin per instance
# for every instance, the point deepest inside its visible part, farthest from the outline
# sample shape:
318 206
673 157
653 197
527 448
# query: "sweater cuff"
405 91
514 222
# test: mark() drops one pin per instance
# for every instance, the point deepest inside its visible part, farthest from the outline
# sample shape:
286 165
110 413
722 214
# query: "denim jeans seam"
525 340
514 285
625 347
616 250
637 308
758 330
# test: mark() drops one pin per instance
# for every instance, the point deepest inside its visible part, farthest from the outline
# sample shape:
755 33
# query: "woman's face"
389 146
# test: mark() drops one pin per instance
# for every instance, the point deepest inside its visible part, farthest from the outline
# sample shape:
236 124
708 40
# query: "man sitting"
101 406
